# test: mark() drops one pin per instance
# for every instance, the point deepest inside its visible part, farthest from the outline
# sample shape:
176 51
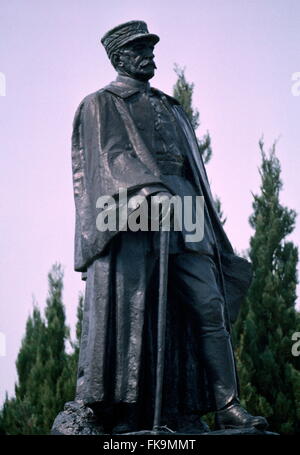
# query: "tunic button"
128 146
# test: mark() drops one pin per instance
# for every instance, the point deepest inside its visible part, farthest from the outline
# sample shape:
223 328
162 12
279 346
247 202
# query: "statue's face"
136 60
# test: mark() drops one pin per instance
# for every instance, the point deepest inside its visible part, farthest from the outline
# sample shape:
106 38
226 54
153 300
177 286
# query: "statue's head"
130 49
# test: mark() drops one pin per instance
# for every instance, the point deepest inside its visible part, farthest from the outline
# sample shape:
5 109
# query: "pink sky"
240 54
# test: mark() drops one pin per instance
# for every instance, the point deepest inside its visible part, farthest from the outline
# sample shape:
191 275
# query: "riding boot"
220 367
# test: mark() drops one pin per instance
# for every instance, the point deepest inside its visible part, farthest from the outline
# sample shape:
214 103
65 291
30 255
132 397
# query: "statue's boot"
236 417
220 367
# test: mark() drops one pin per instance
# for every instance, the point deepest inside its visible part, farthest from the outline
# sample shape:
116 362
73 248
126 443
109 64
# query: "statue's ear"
115 60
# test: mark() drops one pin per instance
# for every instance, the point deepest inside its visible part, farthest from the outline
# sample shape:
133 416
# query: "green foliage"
46 372
183 92
218 205
269 374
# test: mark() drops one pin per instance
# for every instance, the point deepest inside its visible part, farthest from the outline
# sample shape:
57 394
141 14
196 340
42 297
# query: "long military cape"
108 152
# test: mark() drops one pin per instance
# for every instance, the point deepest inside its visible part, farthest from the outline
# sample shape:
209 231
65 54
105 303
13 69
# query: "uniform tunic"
169 147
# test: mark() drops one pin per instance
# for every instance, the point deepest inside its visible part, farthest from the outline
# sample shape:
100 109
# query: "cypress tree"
70 373
52 364
19 415
42 364
183 92
269 374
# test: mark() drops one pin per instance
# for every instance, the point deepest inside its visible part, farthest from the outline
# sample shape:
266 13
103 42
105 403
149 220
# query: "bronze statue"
131 136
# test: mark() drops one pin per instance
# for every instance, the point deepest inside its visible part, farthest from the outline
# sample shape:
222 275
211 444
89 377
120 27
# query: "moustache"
145 63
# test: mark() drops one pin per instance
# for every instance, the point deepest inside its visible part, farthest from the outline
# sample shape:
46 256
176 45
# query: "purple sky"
240 54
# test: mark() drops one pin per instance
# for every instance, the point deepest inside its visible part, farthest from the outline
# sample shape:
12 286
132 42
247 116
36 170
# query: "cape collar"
133 83
125 86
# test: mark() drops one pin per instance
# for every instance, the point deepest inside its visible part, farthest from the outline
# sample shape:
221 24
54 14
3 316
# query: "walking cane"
161 329
161 336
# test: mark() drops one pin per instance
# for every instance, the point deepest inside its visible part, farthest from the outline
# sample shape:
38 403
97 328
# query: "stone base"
228 432
241 432
77 419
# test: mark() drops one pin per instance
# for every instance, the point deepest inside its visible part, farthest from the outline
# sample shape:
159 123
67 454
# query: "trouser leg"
195 278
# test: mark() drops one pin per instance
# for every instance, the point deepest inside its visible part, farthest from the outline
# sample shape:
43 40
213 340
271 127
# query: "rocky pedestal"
77 419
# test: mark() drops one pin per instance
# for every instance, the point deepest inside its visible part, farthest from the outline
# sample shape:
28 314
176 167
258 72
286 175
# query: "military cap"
117 37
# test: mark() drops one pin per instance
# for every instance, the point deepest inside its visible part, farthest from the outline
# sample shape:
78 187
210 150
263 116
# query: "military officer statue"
133 137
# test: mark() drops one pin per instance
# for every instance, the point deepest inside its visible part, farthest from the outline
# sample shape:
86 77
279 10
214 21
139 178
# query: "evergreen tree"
183 92
73 358
46 378
218 205
53 365
19 414
269 374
